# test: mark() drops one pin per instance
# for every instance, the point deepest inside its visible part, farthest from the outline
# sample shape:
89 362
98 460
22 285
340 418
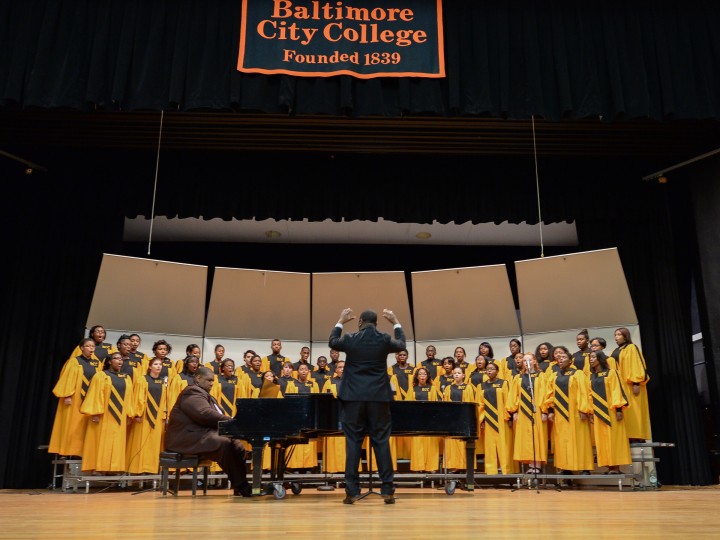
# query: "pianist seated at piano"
193 429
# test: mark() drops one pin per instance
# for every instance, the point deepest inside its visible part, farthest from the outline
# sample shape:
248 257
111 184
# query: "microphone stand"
531 388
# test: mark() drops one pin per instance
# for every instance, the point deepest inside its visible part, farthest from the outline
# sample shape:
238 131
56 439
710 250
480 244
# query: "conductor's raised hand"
346 316
390 316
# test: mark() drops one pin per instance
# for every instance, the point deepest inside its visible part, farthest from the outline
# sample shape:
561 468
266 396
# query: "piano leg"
277 467
257 455
278 459
470 458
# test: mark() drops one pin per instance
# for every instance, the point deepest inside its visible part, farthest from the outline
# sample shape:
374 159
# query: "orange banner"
362 38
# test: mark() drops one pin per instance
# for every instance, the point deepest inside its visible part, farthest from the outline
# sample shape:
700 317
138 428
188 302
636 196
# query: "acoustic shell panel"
259 304
333 292
153 297
580 290
462 303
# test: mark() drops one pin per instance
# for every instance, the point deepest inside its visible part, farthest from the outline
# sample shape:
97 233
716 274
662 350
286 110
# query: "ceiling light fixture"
273 234
424 235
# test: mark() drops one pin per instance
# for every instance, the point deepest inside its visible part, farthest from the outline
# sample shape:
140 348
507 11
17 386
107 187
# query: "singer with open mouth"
529 399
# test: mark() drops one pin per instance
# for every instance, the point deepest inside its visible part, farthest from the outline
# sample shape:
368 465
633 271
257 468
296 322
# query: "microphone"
527 365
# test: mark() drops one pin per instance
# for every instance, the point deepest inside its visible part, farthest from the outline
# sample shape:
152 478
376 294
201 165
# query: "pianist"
193 429
365 396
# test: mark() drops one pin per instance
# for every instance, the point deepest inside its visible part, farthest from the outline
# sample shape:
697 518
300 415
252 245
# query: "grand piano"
296 419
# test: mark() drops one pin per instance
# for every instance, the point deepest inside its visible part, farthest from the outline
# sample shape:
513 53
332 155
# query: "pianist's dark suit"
193 429
365 396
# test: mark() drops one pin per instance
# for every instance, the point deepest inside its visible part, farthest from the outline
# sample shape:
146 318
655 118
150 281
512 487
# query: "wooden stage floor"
669 512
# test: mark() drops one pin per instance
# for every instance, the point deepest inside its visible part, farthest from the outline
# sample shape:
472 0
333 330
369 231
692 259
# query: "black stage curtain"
654 239
417 188
563 59
307 186
60 223
55 231
704 179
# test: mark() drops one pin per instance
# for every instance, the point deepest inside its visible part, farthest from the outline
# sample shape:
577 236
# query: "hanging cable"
157 167
537 189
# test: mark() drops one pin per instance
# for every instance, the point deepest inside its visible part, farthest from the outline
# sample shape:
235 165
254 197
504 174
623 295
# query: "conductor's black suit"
365 396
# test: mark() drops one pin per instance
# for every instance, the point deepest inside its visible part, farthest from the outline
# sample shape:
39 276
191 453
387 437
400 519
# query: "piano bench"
176 460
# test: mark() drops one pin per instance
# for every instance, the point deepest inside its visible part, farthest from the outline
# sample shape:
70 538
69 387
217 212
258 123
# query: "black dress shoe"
349 499
243 490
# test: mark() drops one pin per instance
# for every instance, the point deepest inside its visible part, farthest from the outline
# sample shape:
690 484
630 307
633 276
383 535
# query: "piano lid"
290 416
442 418
312 414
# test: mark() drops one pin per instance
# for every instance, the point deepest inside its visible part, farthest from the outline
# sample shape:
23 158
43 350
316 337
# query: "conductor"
365 396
